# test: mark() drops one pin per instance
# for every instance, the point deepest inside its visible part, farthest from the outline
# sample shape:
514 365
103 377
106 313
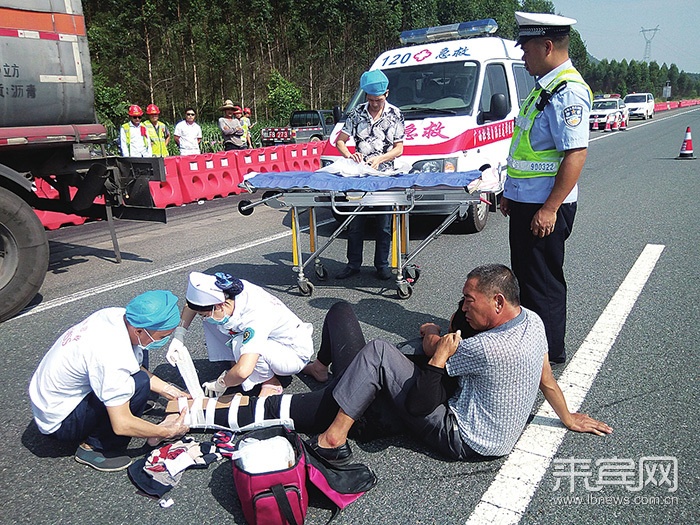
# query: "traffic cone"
615 126
607 125
687 147
623 125
595 125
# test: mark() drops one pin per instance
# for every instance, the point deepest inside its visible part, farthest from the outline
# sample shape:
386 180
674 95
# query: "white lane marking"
647 123
507 498
48 305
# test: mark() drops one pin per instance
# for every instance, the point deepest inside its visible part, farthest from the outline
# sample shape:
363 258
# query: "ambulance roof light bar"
486 26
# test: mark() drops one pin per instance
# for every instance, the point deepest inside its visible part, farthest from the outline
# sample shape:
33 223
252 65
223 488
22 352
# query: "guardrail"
193 178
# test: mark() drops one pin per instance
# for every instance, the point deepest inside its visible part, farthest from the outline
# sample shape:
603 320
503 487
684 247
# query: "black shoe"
560 360
384 273
100 461
347 272
337 457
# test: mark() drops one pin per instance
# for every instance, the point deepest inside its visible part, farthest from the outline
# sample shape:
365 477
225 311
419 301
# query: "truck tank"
46 75
49 133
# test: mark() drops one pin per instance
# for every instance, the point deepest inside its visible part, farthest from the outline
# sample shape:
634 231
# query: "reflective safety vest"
523 161
144 133
157 134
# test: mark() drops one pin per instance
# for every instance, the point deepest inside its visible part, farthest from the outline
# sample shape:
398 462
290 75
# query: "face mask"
220 322
153 345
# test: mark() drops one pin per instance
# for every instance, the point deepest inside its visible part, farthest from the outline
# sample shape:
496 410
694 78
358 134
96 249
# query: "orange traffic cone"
595 125
623 125
607 125
615 125
687 147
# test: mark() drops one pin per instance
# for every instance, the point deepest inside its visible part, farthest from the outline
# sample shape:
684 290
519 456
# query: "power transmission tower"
648 39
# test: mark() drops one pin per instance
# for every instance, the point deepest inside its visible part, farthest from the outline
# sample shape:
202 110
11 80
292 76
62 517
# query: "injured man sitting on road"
472 400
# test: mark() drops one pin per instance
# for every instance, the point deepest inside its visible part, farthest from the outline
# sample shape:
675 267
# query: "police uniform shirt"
563 125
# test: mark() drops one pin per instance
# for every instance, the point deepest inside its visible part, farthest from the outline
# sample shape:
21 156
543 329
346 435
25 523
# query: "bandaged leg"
310 412
232 412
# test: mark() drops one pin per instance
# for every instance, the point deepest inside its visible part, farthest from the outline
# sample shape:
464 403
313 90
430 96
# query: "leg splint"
202 412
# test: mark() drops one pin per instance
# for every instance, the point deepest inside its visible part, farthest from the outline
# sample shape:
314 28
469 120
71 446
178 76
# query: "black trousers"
313 412
538 263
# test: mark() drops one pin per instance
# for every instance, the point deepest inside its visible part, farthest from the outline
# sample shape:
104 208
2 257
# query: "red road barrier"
260 160
207 176
168 193
52 220
303 157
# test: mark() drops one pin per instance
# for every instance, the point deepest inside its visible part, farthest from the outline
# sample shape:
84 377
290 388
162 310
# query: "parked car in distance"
309 125
604 107
640 105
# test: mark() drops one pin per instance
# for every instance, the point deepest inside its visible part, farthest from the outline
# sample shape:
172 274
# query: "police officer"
546 157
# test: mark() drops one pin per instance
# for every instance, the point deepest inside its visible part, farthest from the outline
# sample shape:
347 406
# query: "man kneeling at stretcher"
472 400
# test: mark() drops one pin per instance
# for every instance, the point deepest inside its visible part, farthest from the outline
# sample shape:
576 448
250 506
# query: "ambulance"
459 88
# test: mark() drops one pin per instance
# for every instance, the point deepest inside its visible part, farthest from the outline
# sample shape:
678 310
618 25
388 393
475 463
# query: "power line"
647 47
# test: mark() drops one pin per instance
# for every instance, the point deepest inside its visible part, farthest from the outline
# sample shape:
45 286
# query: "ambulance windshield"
430 89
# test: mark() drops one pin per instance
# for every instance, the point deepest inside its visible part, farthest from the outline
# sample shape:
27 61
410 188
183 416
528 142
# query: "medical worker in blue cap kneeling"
377 129
92 387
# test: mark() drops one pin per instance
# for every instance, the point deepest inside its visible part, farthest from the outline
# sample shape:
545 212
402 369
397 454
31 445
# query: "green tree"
283 97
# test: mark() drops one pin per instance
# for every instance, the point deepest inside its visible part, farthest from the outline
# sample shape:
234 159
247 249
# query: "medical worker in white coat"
245 325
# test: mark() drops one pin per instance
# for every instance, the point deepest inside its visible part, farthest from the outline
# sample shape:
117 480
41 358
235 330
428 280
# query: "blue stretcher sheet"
313 180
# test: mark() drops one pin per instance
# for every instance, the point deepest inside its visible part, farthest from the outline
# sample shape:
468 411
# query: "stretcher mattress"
320 181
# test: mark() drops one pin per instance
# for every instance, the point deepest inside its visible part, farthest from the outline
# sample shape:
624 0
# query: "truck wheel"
24 254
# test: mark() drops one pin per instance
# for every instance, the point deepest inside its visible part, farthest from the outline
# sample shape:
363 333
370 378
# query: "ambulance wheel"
246 211
404 290
306 288
321 273
24 254
475 220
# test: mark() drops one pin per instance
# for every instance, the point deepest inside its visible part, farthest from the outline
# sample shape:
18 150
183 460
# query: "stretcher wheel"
306 288
247 211
321 273
404 290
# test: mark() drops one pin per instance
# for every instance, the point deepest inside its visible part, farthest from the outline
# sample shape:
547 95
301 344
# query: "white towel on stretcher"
350 168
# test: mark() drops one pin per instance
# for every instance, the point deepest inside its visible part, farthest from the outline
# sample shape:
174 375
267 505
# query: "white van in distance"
640 105
459 89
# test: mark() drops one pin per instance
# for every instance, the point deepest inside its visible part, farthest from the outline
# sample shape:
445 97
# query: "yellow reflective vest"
523 161
157 135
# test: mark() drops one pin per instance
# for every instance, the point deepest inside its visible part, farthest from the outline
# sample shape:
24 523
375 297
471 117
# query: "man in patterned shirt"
498 372
378 130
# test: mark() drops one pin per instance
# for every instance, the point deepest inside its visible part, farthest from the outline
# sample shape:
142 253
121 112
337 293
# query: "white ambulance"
459 89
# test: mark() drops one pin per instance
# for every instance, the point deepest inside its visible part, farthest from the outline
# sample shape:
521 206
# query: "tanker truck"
49 136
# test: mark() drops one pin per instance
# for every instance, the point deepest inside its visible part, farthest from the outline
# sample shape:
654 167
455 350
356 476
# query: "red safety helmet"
246 111
152 109
135 111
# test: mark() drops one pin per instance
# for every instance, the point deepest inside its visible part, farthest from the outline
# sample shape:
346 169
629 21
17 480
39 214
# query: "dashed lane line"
61 301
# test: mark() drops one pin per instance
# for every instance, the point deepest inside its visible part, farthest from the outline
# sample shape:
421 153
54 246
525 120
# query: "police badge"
572 115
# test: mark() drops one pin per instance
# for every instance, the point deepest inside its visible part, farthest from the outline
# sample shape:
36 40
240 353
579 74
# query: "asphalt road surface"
633 325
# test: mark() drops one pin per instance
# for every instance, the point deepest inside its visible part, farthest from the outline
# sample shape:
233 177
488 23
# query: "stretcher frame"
398 203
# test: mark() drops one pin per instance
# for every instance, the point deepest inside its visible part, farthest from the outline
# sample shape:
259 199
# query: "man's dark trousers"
538 263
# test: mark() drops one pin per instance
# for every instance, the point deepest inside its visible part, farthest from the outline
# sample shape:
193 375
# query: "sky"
612 29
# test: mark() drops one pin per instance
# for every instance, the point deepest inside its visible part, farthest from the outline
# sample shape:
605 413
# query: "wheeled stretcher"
450 194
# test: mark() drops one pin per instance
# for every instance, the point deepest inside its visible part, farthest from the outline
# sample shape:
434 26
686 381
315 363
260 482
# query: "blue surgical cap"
154 310
374 82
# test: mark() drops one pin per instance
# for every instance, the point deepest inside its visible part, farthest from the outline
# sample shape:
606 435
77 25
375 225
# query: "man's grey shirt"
499 374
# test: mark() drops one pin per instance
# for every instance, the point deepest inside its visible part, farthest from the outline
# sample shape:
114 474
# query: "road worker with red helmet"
133 135
157 132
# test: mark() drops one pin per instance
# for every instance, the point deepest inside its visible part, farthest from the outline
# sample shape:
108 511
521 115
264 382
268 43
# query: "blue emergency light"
449 32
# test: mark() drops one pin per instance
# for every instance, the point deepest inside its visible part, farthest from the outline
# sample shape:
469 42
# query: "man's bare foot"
317 370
